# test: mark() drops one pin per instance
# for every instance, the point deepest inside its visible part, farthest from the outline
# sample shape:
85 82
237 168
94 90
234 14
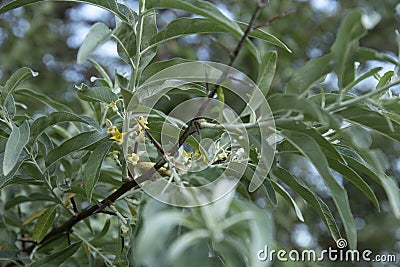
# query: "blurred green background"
46 36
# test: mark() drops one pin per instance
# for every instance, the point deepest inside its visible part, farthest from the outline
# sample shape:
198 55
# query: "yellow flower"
133 158
197 155
117 136
112 129
113 105
222 155
142 122
186 155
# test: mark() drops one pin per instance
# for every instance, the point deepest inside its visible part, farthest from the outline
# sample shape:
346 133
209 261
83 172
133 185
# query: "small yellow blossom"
222 155
117 136
113 105
142 121
112 129
197 155
133 158
186 155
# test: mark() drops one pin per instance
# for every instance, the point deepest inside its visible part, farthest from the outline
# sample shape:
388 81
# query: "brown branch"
66 227
268 22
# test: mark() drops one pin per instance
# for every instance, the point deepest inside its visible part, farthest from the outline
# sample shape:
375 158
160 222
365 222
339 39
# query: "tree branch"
67 226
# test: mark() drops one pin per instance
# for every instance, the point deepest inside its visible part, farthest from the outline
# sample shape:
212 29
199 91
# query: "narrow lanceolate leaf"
8 179
19 137
393 193
353 177
59 257
91 171
111 6
42 123
43 98
96 94
310 197
76 143
373 120
15 79
207 10
311 150
98 34
285 194
186 26
344 49
266 71
309 74
44 223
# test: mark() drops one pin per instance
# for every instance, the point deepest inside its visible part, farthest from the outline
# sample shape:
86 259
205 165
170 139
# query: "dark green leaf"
111 6
91 171
76 143
42 123
266 71
15 79
309 74
344 49
96 94
59 257
44 223
353 177
311 150
44 99
310 197
282 191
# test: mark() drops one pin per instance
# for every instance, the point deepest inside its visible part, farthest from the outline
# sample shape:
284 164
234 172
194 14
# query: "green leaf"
91 171
292 102
266 71
19 137
344 49
309 74
111 6
44 223
102 72
353 177
207 10
158 66
9 179
185 26
310 197
42 123
372 120
365 54
44 99
270 192
384 80
393 193
282 191
32 197
328 148
265 36
96 94
125 36
76 143
311 150
98 34
15 79
59 257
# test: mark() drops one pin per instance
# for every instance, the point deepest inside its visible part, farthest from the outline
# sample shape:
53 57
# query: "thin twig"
227 50
268 22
